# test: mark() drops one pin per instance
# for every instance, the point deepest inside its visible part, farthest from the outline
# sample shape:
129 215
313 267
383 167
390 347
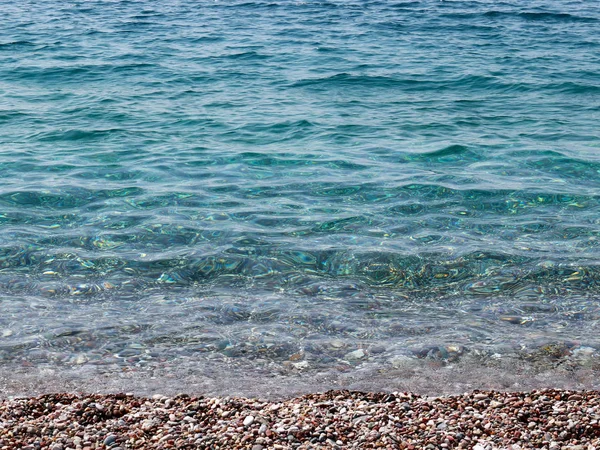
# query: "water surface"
317 191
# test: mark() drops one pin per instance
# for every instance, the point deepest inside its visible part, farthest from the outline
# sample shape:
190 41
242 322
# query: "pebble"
301 365
149 423
81 359
296 356
355 355
334 419
110 439
401 361
376 349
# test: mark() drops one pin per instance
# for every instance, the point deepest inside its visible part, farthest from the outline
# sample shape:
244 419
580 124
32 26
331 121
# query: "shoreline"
550 419
245 379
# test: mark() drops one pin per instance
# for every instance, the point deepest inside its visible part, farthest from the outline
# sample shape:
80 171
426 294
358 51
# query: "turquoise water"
300 188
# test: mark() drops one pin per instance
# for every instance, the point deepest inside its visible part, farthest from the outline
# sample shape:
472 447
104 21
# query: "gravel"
544 419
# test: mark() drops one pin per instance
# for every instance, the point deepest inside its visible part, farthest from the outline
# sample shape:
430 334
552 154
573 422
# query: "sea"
271 197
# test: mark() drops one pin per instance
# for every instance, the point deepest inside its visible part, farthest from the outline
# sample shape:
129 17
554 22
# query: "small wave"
78 135
65 198
346 79
65 74
16 45
568 167
571 87
264 160
10 115
280 127
144 15
485 82
554 157
541 16
91 261
207 39
133 67
452 153
245 56
467 81
404 5
139 23
442 191
255 5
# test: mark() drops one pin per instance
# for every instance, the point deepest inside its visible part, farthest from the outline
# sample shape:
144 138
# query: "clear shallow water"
305 189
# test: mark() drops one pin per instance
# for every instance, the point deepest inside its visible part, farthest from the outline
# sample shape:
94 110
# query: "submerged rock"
356 355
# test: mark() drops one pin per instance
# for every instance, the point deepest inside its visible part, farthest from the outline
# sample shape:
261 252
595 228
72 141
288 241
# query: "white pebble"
301 365
356 354
248 421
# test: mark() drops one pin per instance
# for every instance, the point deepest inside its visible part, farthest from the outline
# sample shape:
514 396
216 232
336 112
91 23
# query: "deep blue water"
298 187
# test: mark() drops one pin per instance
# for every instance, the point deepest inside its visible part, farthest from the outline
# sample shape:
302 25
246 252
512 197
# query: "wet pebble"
355 355
301 365
376 349
337 344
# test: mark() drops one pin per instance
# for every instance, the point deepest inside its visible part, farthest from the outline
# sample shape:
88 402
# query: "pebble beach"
481 420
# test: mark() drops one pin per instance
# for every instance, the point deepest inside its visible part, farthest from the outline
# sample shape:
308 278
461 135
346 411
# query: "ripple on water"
346 190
